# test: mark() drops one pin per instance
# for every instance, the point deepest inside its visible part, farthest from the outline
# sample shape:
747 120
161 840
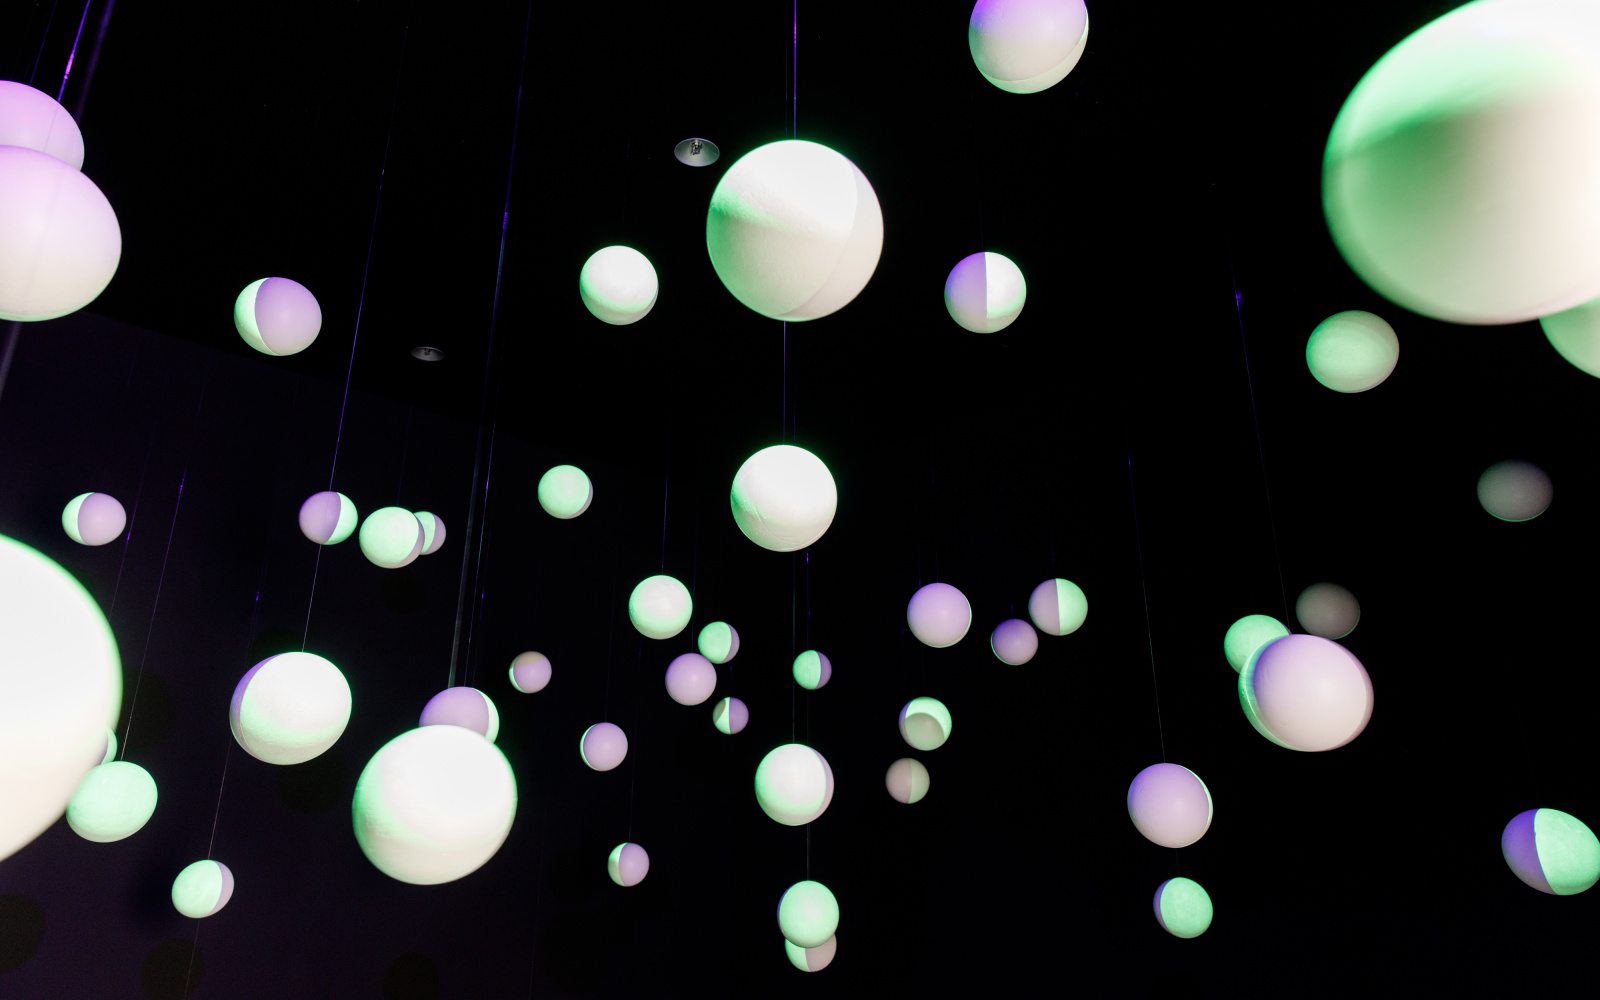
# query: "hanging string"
133 515
74 54
633 756
483 537
43 37
94 61
1144 590
666 485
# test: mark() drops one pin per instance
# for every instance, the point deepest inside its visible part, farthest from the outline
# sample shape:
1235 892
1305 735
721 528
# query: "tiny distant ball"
1575 334
794 784
94 518
1515 490
59 238
628 864
115 801
1182 907
289 708
432 532
1247 635
784 498
925 723
1352 351
530 672
277 316
939 615
391 537
808 914
1328 610
1014 641
202 889
327 518
1058 607
1304 692
812 669
1025 46
985 293
32 119
719 642
812 959
730 715
660 607
565 491
690 679
466 707
907 780
603 746
1170 805
1552 851
618 285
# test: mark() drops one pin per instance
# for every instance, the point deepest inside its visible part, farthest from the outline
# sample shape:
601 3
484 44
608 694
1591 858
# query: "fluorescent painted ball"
1183 908
1247 635
391 537
618 285
925 723
565 491
730 715
432 532
1352 351
277 316
1304 692
1515 490
812 959
794 230
628 864
59 239
603 746
1170 805
985 293
1328 610
812 670
783 498
1575 334
808 914
202 889
289 708
907 780
939 615
328 518
530 672
794 784
1552 851
1025 46
660 607
93 518
466 707
115 801
1014 641
1058 607
719 642
32 119
690 679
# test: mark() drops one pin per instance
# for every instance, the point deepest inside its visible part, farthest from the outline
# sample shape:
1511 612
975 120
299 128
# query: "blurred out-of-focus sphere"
289 708
1552 851
660 607
1328 610
730 715
794 784
565 491
1170 805
690 679
466 707
1182 907
1352 351
1515 490
1458 179
618 285
628 864
115 800
201 889
432 532
985 292
1025 46
59 238
783 498
277 316
719 642
1304 692
328 518
908 780
1575 334
1058 607
939 615
530 672
812 959
391 537
812 669
93 518
808 914
1014 641
1247 635
603 746
32 119
794 230
925 723
433 804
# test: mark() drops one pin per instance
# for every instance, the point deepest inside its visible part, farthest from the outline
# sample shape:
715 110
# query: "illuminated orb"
289 708
1328 610
985 293
1352 351
1575 334
690 679
432 532
434 804
808 914
565 491
59 239
794 230
277 316
812 959
466 707
1170 805
794 784
618 285
327 518
1304 692
1014 641
1552 851
93 518
1058 607
925 723
908 780
1182 907
115 800
391 537
60 688
1247 635
812 669
730 716
530 672
602 746
719 642
660 607
32 119
939 615
1458 179
202 889
1025 46
783 498
1514 490
628 864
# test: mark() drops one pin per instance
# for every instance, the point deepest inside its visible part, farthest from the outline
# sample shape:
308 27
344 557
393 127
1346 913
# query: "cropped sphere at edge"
277 316
808 914
812 669
94 518
530 672
628 864
1552 851
1327 610
794 784
1352 351
1575 334
202 889
391 537
618 285
1304 692
1025 46
783 498
462 706
1169 805
115 801
289 708
60 242
939 615
925 723
1515 490
812 959
730 715
433 533
985 293
565 491
1183 907
719 642
1014 642
32 118
660 607
328 518
907 780
1058 607
603 746
690 679
1247 635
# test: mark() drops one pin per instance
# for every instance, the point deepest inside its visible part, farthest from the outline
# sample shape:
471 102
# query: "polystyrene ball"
985 292
1247 635
719 642
925 723
618 285
812 959
730 715
59 239
1170 805
466 707
530 672
603 746
808 914
794 230
1014 641
907 780
1058 607
794 784
391 537
628 864
115 800
660 607
1025 46
1352 351
328 518
565 491
289 708
432 532
1304 692
939 615
690 679
1515 490
201 889
277 316
1328 610
33 119
1183 908
783 498
1575 334
93 518
1552 851
812 669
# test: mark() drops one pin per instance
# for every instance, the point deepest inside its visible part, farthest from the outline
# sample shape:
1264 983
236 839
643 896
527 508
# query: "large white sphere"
1304 692
277 316
434 804
794 230
660 607
289 708
690 679
783 498
201 889
1014 641
1515 490
530 672
1459 178
391 537
327 518
32 118
939 615
93 518
794 784
1025 46
618 285
1170 805
466 707
115 801
925 723
907 780
1575 334
1328 610
730 715
985 293
812 959
603 746
565 491
628 864
1352 351
59 239
1058 607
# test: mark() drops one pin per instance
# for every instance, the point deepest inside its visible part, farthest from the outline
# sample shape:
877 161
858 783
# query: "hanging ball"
812 670
391 537
1058 607
985 293
925 723
565 491
907 780
808 914
32 119
530 672
1552 851
93 518
327 518
1170 805
466 707
1514 490
1352 351
1304 692
1014 641
1328 610
939 615
1025 46
1575 334
277 316
602 746
618 285
812 959
202 889
660 607
432 532
628 864
1247 635
59 239
115 801
1183 909
289 708
719 642
690 679
794 784
783 498
730 716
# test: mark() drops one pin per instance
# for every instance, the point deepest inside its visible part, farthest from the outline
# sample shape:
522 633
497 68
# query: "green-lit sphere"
812 670
812 959
794 784
1247 635
1182 907
730 715
1552 851
925 723
391 537
1575 334
202 889
1352 351
289 708
660 607
1058 607
432 531
565 491
784 498
618 285
808 914
115 801
719 642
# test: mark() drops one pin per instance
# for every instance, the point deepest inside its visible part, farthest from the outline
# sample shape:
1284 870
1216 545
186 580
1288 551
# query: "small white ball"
1514 490
907 780
1014 641
466 707
432 532
628 864
985 293
1025 46
391 537
690 679
1170 805
925 723
93 518
783 498
660 607
719 642
277 316
812 959
1328 610
603 746
33 119
289 708
939 615
1058 607
812 669
618 285
565 491
59 238
530 672
202 889
794 784
114 802
1352 351
327 518
730 715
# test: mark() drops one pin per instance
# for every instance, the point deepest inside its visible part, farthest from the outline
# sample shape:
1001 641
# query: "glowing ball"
60 688
202 889
466 707
628 864
289 708
808 914
1352 351
432 532
1458 179
719 642
1552 851
391 537
1183 909
31 118
783 498
1514 490
327 518
1575 334
939 615
1014 641
618 285
1058 607
794 784
59 239
277 316
925 723
812 959
1170 805
907 780
530 672
565 491
1304 692
985 293
115 800
1025 46
812 670
1247 635
730 716
1328 610
660 607
794 230
93 518
690 679
602 746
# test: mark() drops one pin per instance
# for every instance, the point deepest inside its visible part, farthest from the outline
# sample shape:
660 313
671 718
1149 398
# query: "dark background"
1147 428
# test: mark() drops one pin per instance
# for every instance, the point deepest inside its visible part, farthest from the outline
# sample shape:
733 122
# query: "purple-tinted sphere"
1014 641
1170 805
466 707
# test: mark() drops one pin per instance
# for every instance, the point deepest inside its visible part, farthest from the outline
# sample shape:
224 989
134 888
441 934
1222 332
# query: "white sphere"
794 784
93 518
289 708
794 230
434 804
432 532
1014 641
530 672
1328 610
466 707
277 316
327 518
812 670
1058 607
1025 46
812 959
939 615
730 715
690 679
985 293
33 119
660 607
1575 334
114 802
719 642
907 780
391 537
1514 490
783 498
925 723
1304 692
1170 805
618 285
628 864
565 491
201 889
603 746
59 239
1352 351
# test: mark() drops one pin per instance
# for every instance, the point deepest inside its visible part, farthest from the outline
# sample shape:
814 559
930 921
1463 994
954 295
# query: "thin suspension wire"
13 334
666 486
43 37
94 61
133 515
405 449
74 54
483 538
1144 590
